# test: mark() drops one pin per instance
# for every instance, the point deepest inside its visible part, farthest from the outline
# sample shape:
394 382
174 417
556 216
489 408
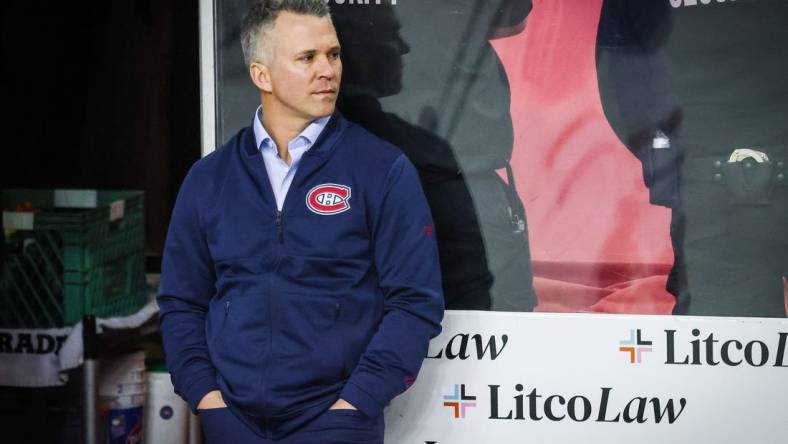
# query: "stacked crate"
68 253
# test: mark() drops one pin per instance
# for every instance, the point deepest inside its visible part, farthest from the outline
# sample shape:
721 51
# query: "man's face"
304 75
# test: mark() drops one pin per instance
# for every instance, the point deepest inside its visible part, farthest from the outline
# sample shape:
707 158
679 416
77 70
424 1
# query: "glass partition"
611 156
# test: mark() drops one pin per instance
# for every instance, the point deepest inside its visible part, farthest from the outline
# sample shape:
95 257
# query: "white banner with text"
565 378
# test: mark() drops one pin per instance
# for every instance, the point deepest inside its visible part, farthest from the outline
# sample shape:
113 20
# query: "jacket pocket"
307 340
240 340
217 316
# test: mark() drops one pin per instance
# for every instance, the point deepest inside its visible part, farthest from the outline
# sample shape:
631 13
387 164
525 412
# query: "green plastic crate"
80 252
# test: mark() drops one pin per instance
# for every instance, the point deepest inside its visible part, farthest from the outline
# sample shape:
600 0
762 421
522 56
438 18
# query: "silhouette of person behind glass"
423 76
685 93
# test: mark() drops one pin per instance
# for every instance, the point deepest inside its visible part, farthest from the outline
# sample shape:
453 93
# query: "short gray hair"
260 18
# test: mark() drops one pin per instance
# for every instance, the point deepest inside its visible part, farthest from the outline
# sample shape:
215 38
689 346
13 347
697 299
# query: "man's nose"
326 68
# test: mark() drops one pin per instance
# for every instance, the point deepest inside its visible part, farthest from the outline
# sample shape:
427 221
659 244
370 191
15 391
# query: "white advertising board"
549 378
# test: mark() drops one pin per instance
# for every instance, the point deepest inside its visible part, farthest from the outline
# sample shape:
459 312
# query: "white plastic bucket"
124 369
122 390
124 425
166 414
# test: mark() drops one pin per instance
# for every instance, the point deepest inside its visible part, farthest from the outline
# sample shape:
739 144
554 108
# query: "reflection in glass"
423 75
687 87
698 93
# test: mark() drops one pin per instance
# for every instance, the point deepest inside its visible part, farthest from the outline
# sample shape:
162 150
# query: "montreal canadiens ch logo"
328 198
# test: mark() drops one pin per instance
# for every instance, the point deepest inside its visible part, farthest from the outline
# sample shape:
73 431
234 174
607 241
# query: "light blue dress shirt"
280 174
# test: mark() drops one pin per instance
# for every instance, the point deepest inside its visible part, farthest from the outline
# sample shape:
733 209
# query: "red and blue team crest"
328 199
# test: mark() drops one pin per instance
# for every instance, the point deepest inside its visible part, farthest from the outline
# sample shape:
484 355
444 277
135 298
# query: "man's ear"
261 76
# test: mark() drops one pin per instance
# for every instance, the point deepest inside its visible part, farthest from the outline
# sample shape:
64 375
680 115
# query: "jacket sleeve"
187 285
406 259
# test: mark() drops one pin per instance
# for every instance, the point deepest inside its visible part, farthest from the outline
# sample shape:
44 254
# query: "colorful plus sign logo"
635 346
459 401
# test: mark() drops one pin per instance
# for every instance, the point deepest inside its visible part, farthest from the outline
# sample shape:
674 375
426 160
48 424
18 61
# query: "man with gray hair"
300 279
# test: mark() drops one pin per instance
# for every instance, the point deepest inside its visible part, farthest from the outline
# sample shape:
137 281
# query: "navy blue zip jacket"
285 312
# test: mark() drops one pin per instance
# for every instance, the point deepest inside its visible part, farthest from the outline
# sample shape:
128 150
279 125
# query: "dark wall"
101 95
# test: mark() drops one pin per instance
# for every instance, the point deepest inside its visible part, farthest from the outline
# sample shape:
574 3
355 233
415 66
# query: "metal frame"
207 76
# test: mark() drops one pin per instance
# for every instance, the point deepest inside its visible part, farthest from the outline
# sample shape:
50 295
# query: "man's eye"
334 55
306 58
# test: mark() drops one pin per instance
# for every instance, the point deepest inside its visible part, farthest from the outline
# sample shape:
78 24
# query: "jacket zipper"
279 234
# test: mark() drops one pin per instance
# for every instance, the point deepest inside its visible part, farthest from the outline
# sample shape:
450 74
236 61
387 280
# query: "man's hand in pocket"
212 400
341 404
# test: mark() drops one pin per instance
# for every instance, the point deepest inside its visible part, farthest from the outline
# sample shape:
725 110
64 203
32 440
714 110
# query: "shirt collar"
310 133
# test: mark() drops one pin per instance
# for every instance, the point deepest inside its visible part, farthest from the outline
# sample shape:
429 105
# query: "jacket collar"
322 147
